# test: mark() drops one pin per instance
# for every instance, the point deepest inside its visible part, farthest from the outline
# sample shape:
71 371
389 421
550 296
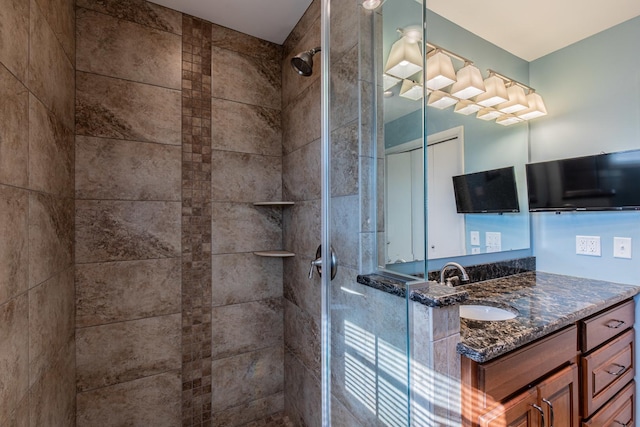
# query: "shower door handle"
317 263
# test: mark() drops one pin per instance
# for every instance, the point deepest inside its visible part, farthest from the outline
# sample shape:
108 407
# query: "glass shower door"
365 366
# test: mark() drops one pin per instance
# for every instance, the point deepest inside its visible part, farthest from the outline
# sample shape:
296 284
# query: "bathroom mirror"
456 144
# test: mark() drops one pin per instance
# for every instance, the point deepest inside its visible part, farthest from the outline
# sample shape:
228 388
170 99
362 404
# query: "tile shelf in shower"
281 203
275 254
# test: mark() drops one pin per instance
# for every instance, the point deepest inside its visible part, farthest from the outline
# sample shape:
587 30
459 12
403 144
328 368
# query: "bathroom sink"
485 312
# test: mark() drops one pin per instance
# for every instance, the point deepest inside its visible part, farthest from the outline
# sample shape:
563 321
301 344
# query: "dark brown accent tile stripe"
196 222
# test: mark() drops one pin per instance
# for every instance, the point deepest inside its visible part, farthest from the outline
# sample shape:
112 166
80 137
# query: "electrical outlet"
622 247
493 241
475 251
588 245
474 238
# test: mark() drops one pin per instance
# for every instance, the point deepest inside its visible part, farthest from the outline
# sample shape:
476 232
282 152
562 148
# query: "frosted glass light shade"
508 119
495 92
517 100
440 100
372 4
440 71
466 107
468 83
389 81
405 59
536 107
489 114
411 90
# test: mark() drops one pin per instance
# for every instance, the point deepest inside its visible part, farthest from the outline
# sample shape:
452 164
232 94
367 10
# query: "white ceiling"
531 29
518 26
270 20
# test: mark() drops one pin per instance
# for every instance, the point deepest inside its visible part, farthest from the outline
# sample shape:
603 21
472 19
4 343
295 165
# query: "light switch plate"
622 247
474 238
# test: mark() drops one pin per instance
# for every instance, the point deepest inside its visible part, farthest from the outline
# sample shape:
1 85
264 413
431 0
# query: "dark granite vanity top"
546 303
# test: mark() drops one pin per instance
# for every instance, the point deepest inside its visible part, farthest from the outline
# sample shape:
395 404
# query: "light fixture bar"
510 80
431 47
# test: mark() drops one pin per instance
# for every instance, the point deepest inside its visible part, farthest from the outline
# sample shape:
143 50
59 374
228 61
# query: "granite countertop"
546 303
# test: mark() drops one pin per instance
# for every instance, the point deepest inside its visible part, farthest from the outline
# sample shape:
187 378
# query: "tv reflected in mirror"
491 191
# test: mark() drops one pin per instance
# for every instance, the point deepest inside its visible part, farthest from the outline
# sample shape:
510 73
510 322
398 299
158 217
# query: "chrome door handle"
551 416
317 263
539 409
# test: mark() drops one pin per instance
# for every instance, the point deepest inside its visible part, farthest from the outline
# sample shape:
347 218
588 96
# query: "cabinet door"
517 412
558 395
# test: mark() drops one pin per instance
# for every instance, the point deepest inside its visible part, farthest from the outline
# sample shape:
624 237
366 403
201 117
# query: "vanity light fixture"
508 119
466 107
536 107
412 90
469 82
405 58
389 81
489 114
517 100
440 71
495 92
441 100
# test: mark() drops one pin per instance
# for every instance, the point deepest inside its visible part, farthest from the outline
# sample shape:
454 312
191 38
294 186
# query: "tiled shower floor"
276 420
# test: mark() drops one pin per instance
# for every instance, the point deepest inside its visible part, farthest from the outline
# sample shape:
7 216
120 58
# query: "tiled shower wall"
37 347
178 323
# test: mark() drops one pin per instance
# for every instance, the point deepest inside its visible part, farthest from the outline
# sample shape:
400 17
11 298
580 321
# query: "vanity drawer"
606 371
617 412
604 326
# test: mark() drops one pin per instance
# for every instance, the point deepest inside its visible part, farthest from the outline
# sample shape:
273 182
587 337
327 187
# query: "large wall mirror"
458 144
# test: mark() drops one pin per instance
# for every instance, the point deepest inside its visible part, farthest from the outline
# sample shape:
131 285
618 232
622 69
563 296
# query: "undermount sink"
485 312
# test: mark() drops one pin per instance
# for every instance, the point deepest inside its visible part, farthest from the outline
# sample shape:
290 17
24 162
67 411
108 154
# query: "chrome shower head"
303 62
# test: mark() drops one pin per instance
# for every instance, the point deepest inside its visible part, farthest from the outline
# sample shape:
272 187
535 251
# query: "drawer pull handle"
623 424
620 370
615 324
551 416
539 409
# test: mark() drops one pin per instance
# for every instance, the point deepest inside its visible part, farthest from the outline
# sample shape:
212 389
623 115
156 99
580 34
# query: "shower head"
303 62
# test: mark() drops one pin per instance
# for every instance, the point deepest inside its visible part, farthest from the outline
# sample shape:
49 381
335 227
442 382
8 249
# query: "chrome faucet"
451 264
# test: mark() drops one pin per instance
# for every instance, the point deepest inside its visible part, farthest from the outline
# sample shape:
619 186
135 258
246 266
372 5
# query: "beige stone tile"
124 230
238 278
50 152
345 229
344 160
302 228
120 109
344 90
14 250
242 177
127 170
119 352
301 119
119 291
258 83
242 227
51 73
60 15
152 401
14 353
255 410
139 11
14 37
19 417
246 128
53 395
104 47
51 322
50 236
14 133
247 377
298 288
226 38
303 393
294 84
310 18
301 173
302 336
240 328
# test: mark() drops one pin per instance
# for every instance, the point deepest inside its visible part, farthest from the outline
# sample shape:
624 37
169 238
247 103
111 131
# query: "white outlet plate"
474 238
588 245
622 247
493 240
475 251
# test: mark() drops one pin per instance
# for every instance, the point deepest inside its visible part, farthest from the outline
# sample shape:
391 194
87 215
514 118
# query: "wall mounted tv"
592 183
492 191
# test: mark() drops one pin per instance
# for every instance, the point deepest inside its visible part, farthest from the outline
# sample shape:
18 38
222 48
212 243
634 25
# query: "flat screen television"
491 191
591 183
